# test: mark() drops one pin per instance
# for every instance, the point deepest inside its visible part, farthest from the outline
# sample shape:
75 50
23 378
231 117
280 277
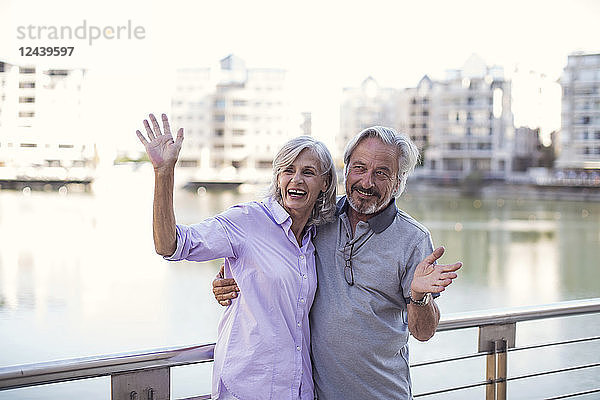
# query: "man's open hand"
433 278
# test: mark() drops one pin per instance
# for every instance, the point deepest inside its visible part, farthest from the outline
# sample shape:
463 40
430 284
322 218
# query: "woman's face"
300 183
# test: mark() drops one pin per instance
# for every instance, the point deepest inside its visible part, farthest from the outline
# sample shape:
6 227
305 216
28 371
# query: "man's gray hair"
324 209
408 153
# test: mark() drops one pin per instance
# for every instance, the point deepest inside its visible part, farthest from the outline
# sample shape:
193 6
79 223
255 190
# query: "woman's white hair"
324 209
408 153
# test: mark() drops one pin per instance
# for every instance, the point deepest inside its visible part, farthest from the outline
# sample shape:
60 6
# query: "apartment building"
364 106
41 135
579 142
471 123
236 118
414 112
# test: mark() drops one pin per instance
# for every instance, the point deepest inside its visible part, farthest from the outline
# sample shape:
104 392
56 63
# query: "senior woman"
263 344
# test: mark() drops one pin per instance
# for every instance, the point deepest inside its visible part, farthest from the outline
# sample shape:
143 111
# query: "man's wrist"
420 299
417 296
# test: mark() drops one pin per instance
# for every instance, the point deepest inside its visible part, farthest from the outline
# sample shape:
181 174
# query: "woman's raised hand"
161 148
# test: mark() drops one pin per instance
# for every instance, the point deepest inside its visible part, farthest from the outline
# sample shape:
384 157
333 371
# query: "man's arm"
428 278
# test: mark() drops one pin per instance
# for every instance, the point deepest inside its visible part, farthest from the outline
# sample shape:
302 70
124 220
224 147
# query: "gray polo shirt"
359 333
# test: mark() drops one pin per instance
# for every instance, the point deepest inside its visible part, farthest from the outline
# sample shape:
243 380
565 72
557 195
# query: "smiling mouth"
366 193
296 193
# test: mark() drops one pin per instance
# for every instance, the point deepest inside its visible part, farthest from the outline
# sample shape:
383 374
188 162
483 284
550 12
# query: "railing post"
494 340
148 384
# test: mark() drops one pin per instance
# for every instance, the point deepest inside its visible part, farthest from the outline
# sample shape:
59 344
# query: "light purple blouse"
263 344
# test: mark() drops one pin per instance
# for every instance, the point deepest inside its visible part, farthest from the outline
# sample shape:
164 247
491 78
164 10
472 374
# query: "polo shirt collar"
377 223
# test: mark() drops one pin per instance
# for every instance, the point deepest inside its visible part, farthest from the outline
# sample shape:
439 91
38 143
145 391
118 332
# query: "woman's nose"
297 177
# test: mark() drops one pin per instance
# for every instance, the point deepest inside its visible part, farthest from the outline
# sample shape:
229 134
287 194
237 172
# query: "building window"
219 117
27 85
26 99
452 164
482 164
187 163
28 145
219 132
26 114
65 146
239 103
238 132
220 103
27 70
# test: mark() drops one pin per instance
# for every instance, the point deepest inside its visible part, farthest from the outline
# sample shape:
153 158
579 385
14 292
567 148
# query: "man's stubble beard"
368 210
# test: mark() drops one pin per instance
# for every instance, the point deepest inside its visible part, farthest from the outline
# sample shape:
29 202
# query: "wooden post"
501 369
490 375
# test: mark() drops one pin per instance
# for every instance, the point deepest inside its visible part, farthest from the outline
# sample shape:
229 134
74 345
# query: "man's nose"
368 181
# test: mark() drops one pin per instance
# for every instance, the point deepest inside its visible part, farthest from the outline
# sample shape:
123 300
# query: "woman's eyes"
309 172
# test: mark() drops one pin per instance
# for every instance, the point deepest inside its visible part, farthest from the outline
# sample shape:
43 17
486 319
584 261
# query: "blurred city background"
502 98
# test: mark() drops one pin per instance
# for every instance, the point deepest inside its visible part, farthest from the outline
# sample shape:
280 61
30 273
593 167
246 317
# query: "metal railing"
146 375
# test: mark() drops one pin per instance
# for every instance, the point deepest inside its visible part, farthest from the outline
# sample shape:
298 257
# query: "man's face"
372 176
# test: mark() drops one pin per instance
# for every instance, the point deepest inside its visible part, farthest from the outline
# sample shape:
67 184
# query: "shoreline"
507 190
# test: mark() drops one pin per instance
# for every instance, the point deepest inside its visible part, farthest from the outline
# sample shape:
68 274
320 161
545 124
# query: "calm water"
79 277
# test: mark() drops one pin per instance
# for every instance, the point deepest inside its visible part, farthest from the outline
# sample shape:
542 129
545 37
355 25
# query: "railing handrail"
508 315
17 376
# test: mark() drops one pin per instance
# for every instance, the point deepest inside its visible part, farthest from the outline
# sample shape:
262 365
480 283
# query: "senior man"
377 277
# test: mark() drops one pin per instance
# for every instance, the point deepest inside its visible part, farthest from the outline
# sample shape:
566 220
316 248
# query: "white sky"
325 45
